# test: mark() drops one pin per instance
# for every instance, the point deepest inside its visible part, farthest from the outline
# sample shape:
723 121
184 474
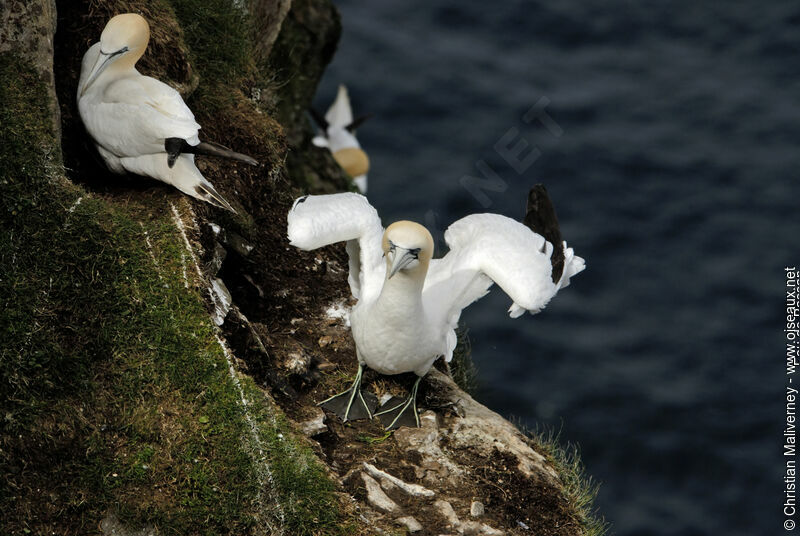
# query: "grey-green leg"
399 412
352 404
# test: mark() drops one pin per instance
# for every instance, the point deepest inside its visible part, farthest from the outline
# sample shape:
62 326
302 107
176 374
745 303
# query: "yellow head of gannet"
408 247
353 160
122 43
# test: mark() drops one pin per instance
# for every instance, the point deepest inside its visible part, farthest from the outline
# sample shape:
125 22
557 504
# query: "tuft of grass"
217 34
579 489
371 440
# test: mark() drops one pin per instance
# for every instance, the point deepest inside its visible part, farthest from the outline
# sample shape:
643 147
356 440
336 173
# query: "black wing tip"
210 148
541 218
538 198
357 122
319 119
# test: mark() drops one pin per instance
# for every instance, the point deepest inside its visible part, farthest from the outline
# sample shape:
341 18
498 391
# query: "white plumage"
338 136
130 116
404 321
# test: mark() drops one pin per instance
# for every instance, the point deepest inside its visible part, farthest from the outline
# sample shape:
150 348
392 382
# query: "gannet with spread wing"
138 123
339 135
409 303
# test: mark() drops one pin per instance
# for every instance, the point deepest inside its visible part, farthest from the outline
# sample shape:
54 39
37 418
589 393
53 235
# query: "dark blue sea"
668 136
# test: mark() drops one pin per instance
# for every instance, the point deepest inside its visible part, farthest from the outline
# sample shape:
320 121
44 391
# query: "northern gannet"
409 303
338 135
138 123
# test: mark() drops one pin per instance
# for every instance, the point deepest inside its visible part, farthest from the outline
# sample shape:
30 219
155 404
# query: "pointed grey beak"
100 65
402 257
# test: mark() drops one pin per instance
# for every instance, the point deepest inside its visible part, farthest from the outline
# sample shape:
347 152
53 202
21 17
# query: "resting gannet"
138 123
409 303
338 135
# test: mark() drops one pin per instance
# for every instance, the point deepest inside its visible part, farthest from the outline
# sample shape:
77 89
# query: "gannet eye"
298 201
414 252
392 247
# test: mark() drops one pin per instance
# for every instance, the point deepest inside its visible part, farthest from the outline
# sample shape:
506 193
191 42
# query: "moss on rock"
117 396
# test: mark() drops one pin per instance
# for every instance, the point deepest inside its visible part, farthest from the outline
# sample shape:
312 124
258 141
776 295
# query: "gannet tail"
185 176
207 193
340 114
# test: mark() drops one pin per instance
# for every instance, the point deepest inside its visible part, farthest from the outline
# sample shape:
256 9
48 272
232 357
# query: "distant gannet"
408 303
338 135
138 123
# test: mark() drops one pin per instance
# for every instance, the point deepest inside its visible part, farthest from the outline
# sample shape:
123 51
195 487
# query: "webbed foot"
352 404
400 412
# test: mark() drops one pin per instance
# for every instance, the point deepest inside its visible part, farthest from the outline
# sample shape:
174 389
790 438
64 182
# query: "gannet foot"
400 412
352 404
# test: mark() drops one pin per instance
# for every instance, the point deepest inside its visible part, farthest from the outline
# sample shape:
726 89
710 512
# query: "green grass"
115 396
578 488
218 37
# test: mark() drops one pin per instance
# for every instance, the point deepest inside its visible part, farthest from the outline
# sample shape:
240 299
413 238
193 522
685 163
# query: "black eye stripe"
413 252
298 201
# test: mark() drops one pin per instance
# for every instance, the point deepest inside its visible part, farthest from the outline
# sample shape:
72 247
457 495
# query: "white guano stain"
255 445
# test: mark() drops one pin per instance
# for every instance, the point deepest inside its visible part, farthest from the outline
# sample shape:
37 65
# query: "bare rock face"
27 27
377 498
297 57
314 424
309 33
466 470
111 526
477 427
267 16
410 523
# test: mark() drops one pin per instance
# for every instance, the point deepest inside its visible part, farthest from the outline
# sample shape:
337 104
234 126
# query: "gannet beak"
100 65
401 258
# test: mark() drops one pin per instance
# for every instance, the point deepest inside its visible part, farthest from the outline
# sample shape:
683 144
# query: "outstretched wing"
486 249
319 220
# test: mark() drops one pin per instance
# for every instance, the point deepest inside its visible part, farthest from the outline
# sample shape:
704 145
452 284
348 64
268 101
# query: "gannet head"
353 160
408 247
125 36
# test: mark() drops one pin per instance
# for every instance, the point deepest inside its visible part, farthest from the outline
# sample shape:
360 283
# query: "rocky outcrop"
27 28
267 17
209 415
465 470
306 44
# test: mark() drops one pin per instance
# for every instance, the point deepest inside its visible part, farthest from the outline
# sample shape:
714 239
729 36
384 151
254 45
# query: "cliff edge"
161 359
